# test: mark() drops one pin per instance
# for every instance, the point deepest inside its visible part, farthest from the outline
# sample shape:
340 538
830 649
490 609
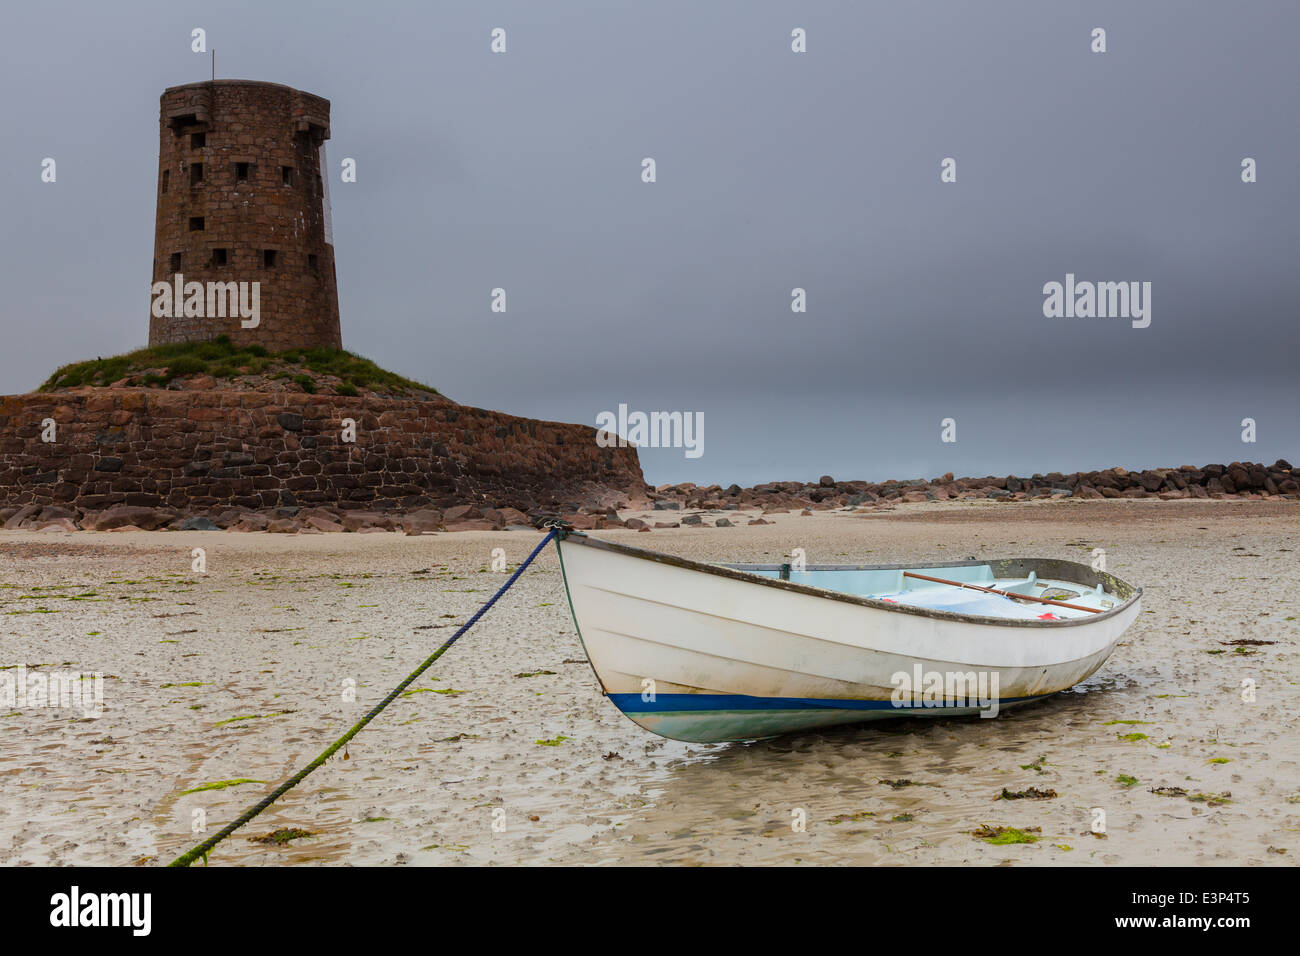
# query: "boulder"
471 524
461 512
58 524
118 516
24 514
357 521
324 525
424 521
197 523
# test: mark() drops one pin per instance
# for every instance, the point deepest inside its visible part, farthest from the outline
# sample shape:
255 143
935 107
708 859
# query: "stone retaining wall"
202 451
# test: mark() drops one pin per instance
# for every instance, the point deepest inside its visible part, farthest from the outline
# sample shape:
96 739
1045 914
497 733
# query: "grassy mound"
328 371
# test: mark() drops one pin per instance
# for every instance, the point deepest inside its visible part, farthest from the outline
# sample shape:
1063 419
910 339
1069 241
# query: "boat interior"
964 596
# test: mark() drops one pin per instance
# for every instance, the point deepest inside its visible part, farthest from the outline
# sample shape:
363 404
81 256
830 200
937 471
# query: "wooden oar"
1008 594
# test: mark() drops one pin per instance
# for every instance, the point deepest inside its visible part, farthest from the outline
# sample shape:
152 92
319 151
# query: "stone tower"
243 198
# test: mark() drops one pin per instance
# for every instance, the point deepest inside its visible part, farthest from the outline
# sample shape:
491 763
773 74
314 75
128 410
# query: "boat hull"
701 653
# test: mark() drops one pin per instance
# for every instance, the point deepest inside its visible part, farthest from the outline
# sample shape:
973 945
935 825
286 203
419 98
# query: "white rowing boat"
707 652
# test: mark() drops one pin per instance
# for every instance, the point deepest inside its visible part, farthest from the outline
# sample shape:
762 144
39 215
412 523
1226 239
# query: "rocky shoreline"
1239 479
680 504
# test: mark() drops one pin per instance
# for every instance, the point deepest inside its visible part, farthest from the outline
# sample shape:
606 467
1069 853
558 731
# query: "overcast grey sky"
775 170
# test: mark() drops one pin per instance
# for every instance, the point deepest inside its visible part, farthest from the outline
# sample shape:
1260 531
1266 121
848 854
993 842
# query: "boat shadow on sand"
939 775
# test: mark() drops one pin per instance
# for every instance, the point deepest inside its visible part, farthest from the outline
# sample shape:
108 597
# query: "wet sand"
241 673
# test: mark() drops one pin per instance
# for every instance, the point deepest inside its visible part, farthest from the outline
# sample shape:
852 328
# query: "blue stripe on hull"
713 718
672 703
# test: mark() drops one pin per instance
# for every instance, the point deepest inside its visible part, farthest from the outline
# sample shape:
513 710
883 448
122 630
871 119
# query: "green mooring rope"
204 848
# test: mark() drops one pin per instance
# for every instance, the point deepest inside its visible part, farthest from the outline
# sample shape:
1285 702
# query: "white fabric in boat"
965 601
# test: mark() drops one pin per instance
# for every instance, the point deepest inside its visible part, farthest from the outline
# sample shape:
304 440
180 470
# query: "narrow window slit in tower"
219 257
268 258
312 262
174 262
196 173
241 172
198 140
196 223
286 175
167 175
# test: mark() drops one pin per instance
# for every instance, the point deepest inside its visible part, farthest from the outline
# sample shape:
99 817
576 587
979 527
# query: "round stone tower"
243 242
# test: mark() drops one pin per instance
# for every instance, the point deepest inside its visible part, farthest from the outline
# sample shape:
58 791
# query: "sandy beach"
242 673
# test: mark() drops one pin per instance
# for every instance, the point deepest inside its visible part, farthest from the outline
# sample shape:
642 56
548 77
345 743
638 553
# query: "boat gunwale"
745 574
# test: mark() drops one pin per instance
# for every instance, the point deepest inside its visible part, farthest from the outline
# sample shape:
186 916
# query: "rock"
324 525
760 521
826 481
119 516
198 523
290 421
58 524
722 523
665 524
693 520
424 521
23 514
462 512
668 506
636 524
471 524
251 522
282 526
358 521
506 516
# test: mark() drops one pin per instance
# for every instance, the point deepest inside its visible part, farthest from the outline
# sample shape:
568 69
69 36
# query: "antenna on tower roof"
214 64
